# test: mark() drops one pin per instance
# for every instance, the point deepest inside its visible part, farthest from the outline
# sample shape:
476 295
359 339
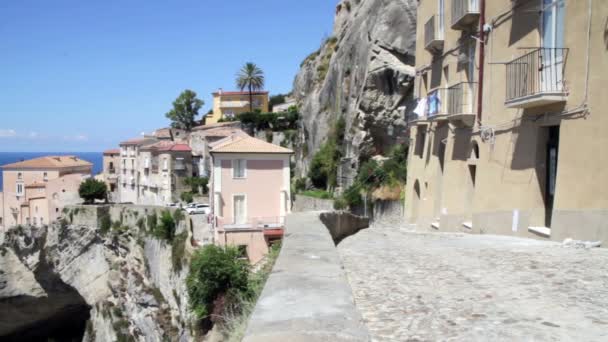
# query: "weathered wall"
305 203
388 214
307 296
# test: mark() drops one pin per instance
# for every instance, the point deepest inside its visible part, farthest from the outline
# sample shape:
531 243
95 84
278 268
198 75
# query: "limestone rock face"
364 73
124 279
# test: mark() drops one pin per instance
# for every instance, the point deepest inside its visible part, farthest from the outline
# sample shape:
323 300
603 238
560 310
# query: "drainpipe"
482 45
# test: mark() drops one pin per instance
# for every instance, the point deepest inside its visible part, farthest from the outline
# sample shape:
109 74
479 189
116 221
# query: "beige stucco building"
36 190
526 155
228 104
202 137
250 193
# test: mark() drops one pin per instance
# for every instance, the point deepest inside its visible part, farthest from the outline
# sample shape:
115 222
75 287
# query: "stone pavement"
413 286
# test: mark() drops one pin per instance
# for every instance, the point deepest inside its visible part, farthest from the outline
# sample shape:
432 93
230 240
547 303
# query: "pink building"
250 189
36 190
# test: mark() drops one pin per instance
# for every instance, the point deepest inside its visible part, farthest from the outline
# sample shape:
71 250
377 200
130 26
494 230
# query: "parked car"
198 209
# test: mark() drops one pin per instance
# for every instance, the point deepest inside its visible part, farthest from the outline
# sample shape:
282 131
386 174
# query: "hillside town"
435 173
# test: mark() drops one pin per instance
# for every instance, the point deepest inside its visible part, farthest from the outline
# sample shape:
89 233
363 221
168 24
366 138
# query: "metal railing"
537 72
437 103
460 8
251 223
462 98
432 30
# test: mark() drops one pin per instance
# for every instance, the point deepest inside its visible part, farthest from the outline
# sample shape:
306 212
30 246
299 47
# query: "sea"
12 157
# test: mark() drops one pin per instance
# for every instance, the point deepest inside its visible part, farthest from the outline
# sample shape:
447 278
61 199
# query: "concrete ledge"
307 297
304 203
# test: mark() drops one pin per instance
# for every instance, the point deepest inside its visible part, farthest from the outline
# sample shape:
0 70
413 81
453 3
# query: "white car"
198 209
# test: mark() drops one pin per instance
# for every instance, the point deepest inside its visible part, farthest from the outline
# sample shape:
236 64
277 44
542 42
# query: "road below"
412 286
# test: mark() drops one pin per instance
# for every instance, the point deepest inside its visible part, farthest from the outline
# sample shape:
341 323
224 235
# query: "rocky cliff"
364 73
75 280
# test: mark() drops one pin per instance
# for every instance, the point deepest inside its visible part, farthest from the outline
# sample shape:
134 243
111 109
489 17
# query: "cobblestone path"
455 287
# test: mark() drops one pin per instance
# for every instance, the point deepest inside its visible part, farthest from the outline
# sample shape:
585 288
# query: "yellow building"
227 104
526 155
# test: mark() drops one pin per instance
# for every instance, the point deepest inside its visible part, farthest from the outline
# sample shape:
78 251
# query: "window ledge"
544 231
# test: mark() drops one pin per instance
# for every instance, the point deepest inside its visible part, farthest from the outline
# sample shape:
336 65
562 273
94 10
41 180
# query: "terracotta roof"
111 151
239 93
247 144
168 146
49 162
137 141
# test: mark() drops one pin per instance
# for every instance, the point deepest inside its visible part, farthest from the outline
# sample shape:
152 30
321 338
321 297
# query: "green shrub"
340 203
197 183
269 135
165 229
178 250
215 271
178 215
141 224
152 221
91 190
187 197
352 196
105 223
299 184
323 169
321 194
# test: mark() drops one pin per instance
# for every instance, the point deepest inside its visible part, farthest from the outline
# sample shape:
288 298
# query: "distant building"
202 136
227 104
250 193
111 160
152 171
283 107
36 190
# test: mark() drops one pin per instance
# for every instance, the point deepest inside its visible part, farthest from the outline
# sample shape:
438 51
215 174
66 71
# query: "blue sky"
83 75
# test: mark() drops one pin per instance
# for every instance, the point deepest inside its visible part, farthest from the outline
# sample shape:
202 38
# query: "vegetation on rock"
91 190
185 110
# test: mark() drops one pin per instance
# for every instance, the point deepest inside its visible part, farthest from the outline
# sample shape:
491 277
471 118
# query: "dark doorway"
551 174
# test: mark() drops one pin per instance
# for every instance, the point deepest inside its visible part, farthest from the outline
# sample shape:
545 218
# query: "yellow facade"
533 164
231 103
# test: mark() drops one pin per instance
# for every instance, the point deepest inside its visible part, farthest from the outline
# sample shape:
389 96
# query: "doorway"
551 156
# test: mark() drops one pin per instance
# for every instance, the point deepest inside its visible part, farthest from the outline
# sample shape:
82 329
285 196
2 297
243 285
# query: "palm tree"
251 77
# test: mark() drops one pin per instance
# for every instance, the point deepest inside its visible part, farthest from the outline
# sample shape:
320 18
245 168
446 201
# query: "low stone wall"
304 203
307 296
388 214
342 224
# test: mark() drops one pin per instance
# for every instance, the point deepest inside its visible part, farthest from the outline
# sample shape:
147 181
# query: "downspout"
482 45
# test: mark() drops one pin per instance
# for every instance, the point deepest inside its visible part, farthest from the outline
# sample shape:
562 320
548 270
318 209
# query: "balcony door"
552 54
240 209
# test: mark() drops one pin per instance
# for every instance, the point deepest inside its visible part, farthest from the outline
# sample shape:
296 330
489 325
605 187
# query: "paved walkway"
454 287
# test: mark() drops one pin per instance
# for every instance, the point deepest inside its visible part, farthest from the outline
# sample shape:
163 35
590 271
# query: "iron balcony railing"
433 33
462 98
464 12
540 71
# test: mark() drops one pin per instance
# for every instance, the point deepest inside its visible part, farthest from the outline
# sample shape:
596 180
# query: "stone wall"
342 224
388 214
304 203
307 296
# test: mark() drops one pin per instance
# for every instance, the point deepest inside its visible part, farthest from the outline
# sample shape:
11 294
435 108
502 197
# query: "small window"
239 168
19 189
243 252
45 176
19 175
165 164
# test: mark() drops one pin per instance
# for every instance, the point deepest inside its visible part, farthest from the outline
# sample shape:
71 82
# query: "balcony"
536 78
437 111
462 103
465 13
433 34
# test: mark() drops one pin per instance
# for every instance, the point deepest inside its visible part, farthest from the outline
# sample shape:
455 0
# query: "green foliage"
299 184
271 121
152 221
310 58
91 190
178 216
340 203
178 250
197 184
105 223
275 100
323 170
187 197
185 110
352 196
322 194
141 224
215 271
250 77
330 46
269 136
165 229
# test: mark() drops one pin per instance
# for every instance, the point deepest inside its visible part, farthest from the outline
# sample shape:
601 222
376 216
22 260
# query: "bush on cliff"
91 190
215 272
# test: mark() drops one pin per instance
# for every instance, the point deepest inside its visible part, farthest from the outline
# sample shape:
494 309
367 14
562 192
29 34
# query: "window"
19 175
420 141
243 252
45 177
165 164
239 168
240 209
19 189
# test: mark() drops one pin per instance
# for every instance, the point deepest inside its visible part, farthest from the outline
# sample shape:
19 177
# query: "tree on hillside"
252 78
275 100
185 109
91 190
